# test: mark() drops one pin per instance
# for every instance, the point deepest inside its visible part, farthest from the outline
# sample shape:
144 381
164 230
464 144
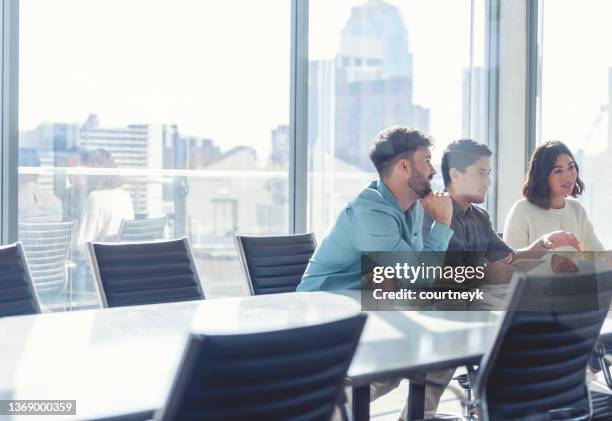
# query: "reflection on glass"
576 93
160 119
378 63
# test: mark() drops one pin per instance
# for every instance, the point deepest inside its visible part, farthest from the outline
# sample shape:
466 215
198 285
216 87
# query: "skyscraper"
47 139
279 156
373 81
474 112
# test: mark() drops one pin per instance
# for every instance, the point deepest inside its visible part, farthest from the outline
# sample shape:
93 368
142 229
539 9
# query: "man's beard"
419 184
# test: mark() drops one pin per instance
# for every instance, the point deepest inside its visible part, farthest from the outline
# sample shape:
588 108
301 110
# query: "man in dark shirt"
475 242
466 170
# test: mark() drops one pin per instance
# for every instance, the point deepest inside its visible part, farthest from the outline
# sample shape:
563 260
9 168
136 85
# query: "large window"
576 93
378 63
178 111
139 109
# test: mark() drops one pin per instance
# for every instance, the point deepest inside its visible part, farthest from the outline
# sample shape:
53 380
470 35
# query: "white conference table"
120 362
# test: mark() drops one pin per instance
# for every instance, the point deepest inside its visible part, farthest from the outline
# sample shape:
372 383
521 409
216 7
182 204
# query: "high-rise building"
322 111
133 147
190 152
47 139
279 156
474 112
373 81
374 44
136 146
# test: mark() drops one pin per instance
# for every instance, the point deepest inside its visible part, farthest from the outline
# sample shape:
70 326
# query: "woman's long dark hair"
541 164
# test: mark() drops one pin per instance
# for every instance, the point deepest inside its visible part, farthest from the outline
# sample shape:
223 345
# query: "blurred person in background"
107 202
35 204
74 196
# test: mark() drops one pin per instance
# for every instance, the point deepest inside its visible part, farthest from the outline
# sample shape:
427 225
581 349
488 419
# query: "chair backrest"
17 294
142 229
274 264
46 246
144 273
287 374
536 366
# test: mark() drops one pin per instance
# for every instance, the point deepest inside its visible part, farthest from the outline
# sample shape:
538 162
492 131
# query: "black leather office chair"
17 294
536 368
274 264
295 374
144 273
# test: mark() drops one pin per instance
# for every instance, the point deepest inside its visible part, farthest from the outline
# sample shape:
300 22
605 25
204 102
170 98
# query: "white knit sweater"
527 222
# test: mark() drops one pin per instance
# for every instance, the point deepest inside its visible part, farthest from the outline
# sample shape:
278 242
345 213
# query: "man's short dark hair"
394 143
460 154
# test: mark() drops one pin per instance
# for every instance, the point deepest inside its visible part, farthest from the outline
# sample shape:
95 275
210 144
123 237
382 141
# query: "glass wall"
378 63
576 92
170 112
175 115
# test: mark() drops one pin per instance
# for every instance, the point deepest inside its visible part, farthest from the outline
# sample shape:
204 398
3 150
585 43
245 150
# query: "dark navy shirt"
474 240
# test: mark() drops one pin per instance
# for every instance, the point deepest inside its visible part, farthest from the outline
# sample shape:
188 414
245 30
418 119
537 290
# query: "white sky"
576 57
438 34
215 69
218 69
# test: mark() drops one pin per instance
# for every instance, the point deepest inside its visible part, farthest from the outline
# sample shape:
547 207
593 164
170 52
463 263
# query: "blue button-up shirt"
374 221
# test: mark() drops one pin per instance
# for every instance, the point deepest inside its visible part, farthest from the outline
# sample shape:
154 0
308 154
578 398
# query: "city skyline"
192 101
101 66
160 84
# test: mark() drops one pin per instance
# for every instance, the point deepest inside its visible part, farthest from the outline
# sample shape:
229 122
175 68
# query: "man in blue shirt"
387 216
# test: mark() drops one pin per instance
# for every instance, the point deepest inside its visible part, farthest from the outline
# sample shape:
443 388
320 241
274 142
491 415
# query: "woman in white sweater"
106 205
553 177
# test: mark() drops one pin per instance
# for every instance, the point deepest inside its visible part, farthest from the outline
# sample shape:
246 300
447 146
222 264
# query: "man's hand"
558 239
563 264
500 271
439 206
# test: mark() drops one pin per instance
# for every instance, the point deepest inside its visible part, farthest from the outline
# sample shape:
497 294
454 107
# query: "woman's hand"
500 271
558 239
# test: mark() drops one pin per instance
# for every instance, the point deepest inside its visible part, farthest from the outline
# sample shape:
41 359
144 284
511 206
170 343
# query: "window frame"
9 140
